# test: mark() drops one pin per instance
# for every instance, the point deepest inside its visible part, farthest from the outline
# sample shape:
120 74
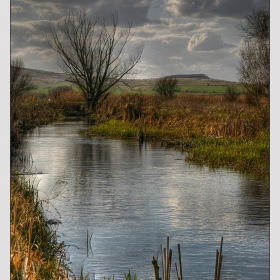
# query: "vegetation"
231 93
93 58
60 89
35 251
211 129
166 86
33 110
254 68
20 84
42 90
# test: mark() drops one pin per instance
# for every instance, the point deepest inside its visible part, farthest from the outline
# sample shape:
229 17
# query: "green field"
208 89
44 88
146 87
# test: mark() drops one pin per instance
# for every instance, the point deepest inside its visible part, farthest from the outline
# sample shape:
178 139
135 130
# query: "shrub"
231 93
166 86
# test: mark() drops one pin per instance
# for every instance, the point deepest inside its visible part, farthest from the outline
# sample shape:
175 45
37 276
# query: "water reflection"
254 202
131 197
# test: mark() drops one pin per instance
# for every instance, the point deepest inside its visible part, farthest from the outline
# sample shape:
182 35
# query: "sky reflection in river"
131 197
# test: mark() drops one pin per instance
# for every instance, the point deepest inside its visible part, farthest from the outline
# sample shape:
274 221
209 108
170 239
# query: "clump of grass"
124 130
113 129
246 155
35 251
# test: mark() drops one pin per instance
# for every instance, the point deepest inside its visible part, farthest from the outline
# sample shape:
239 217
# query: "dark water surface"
131 197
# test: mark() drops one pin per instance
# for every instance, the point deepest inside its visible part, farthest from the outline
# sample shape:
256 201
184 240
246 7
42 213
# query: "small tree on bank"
20 83
231 93
254 67
166 86
93 55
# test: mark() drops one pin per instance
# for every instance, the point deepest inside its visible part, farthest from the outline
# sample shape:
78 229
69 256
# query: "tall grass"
35 251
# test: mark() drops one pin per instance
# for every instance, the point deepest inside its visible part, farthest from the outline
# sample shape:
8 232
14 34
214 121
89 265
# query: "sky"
180 36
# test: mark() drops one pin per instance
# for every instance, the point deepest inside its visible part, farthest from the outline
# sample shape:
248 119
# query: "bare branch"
166 86
254 66
93 56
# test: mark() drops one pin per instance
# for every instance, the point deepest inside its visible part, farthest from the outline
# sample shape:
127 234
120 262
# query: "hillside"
45 77
195 83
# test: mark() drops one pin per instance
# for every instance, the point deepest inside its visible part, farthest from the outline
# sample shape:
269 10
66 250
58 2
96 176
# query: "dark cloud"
195 36
208 41
210 8
129 11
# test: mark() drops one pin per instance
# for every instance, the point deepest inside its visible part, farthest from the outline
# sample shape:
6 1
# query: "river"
130 197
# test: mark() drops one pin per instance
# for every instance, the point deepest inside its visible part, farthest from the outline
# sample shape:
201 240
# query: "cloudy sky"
180 36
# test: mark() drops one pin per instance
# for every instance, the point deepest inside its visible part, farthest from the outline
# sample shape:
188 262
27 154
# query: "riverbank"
33 111
35 251
209 129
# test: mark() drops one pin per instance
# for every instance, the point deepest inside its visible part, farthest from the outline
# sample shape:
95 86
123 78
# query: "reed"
166 256
218 263
35 251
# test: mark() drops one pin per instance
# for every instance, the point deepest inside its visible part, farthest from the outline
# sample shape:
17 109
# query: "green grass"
44 88
207 89
248 155
145 87
245 155
120 130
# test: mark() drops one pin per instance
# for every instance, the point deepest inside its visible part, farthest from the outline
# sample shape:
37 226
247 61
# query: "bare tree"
256 26
20 83
166 86
254 68
93 55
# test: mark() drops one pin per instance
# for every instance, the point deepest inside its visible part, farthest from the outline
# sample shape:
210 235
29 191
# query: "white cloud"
208 41
16 9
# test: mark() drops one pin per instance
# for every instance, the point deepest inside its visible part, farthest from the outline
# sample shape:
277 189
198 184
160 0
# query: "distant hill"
48 77
190 76
45 77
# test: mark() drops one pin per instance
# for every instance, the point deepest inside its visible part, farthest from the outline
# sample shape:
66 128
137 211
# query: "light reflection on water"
131 197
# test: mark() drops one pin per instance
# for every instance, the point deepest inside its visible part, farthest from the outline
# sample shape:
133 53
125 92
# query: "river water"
130 197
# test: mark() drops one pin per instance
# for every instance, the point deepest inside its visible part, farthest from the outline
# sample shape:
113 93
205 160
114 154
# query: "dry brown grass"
68 100
35 252
197 115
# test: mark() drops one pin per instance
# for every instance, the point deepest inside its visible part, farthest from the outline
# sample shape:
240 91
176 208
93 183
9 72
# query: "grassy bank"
32 111
35 251
212 130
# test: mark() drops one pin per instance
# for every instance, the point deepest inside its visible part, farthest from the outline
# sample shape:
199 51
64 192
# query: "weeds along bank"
33 111
35 251
210 129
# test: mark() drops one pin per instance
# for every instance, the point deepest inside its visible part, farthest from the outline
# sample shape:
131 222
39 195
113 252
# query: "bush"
59 89
231 93
166 86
